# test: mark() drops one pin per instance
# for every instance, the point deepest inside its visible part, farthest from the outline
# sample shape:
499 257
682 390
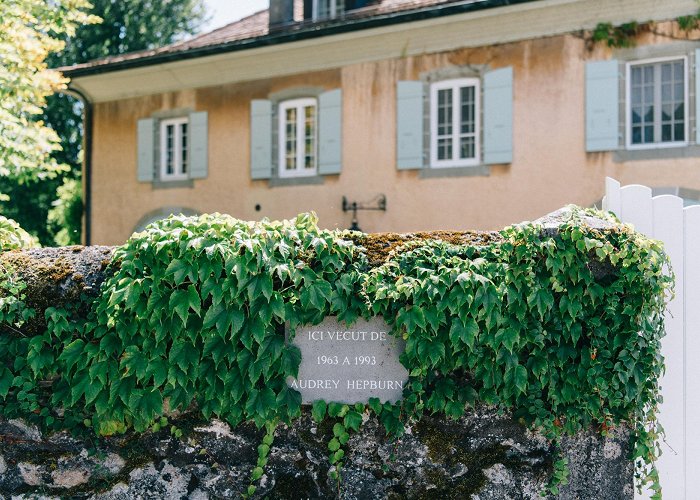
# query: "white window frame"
455 85
177 174
299 104
628 104
333 10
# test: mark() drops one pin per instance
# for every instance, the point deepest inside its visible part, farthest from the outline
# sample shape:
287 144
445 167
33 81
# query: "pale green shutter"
498 116
409 125
146 135
330 139
602 106
697 97
198 145
260 139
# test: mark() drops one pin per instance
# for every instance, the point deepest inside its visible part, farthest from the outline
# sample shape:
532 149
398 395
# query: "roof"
253 31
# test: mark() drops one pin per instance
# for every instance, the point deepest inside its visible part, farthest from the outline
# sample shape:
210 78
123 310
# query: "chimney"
281 13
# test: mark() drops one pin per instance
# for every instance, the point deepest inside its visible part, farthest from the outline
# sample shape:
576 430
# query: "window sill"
183 183
433 173
623 155
308 180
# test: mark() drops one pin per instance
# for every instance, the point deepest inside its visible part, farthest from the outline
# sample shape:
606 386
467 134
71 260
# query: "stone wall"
482 456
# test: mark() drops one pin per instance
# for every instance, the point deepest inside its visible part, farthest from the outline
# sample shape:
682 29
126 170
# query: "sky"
225 11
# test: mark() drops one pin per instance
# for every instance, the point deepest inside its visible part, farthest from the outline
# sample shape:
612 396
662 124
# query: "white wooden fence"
666 219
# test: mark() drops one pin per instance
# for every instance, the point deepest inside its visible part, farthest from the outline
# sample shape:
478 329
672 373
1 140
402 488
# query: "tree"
30 32
129 25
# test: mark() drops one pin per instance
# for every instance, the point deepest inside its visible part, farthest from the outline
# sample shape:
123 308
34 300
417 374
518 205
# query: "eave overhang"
319 47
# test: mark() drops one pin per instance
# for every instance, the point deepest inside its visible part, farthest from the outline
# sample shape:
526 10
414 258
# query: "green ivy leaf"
375 405
290 399
72 353
6 378
256 474
133 362
180 303
291 358
179 269
151 403
83 385
464 332
353 420
318 410
334 444
337 410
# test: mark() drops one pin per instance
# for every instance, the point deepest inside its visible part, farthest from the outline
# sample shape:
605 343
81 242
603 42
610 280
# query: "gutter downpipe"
87 158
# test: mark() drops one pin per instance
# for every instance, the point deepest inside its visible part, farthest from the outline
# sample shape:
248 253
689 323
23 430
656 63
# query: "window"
657 104
297 137
325 9
174 149
454 123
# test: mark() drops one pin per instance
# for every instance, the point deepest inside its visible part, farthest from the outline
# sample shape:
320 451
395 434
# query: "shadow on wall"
162 213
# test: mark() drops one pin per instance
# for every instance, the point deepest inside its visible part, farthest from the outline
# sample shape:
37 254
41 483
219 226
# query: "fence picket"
665 219
636 208
692 346
668 227
612 201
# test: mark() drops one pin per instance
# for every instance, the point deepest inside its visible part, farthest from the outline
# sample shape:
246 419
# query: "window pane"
183 145
636 135
666 135
657 114
666 72
323 9
290 139
679 93
169 149
666 92
467 115
636 115
679 132
679 70
444 124
310 137
636 94
666 111
636 75
649 115
680 112
444 149
467 149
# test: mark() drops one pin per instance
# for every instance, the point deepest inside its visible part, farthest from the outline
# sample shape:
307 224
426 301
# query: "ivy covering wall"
560 325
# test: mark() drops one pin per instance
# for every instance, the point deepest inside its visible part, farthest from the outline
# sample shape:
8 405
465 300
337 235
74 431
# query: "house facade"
459 114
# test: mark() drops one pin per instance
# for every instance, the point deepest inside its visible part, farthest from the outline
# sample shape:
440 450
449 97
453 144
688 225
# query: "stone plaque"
349 365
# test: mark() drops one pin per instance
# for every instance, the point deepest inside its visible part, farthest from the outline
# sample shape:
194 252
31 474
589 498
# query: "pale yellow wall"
550 166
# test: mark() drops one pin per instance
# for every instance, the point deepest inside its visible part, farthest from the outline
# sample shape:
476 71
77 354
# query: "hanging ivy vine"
562 328
625 35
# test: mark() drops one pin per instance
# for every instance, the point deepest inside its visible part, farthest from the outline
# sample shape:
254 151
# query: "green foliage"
263 453
560 477
13 237
131 25
30 30
617 37
689 23
563 330
65 216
